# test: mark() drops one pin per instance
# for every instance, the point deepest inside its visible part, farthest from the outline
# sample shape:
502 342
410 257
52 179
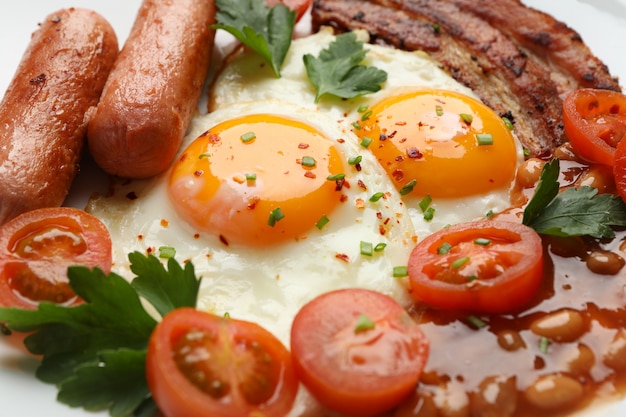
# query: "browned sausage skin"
154 88
44 113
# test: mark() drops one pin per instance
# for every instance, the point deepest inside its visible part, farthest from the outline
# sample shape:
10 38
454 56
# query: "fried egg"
450 155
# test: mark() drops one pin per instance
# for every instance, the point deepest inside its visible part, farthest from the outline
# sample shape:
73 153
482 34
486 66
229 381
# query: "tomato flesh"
37 247
595 123
353 371
299 6
200 364
484 266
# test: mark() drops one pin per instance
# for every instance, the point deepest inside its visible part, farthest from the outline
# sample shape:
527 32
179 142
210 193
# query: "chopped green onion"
167 252
365 142
459 262
425 203
467 118
251 176
204 155
276 215
482 241
380 247
356 126
408 187
366 115
227 315
336 177
248 137
400 271
429 214
355 160
544 342
489 214
363 323
476 322
377 196
323 221
308 161
508 123
484 139
362 108
439 110
444 249
367 248
472 278
436 28
526 152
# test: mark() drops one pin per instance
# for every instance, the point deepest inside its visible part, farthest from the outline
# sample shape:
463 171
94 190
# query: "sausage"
45 111
154 88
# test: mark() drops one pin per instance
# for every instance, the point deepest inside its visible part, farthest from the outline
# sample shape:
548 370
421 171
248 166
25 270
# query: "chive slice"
308 161
355 160
248 137
439 110
362 108
436 28
367 248
366 115
377 196
323 221
526 152
276 215
408 187
459 262
204 155
484 139
444 249
476 321
251 176
508 123
400 271
425 203
365 142
482 241
544 343
489 214
166 252
336 177
363 323
429 214
356 126
380 247
467 118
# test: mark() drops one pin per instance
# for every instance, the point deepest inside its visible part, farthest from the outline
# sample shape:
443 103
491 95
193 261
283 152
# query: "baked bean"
580 360
553 392
510 340
561 326
600 177
566 152
421 404
496 397
604 262
528 174
615 356
567 247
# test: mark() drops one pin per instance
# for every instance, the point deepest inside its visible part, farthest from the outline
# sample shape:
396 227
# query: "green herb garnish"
363 323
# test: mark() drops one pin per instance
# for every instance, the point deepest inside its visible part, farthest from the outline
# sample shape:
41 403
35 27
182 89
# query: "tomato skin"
36 248
619 169
299 6
595 122
176 394
357 373
478 284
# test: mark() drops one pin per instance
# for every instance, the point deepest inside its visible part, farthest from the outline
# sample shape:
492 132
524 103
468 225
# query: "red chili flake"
399 158
379 215
213 138
382 137
357 167
150 250
398 175
198 173
386 222
382 230
303 146
403 140
164 223
252 202
342 257
223 240
392 134
310 174
343 198
362 185
339 184
400 123
413 152
139 237
196 236
341 140
131 196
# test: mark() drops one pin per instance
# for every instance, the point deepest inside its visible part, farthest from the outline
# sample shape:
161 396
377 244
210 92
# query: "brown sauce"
564 351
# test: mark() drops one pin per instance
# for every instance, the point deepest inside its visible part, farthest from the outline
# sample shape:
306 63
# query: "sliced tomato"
595 122
483 266
199 364
619 169
357 351
299 6
36 249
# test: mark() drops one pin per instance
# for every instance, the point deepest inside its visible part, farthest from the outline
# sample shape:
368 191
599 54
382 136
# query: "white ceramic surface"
602 24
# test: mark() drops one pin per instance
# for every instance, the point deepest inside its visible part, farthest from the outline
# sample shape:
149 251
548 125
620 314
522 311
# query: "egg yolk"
257 179
439 143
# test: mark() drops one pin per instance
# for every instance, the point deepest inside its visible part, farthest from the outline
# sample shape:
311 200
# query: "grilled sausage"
44 113
153 89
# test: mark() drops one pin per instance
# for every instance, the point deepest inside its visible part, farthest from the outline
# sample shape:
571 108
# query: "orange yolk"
440 143
257 179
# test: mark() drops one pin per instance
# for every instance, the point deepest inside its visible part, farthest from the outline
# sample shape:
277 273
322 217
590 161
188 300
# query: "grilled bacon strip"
478 54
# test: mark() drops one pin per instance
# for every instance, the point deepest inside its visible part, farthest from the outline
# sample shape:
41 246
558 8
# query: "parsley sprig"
338 70
95 352
267 31
573 212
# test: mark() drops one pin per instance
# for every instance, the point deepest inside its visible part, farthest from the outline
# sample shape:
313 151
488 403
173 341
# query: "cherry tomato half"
595 122
357 351
619 169
483 266
199 364
299 6
36 249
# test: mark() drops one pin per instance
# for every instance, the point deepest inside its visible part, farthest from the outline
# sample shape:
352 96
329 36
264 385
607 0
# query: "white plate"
602 24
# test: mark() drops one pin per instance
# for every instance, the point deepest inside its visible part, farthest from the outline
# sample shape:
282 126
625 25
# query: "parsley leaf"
337 69
95 352
267 31
573 212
